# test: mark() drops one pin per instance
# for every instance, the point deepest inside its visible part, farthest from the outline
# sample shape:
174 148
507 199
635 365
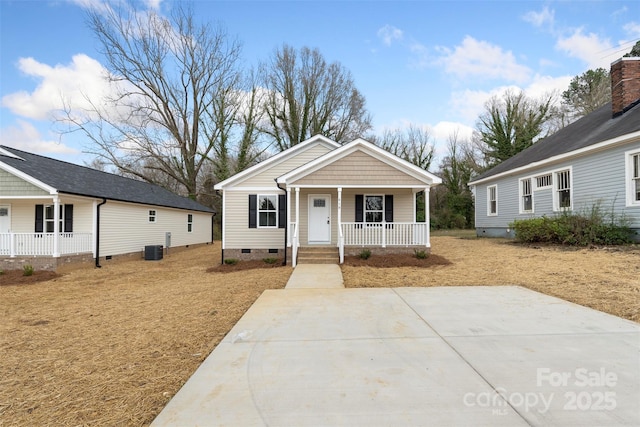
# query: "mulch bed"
17 277
396 260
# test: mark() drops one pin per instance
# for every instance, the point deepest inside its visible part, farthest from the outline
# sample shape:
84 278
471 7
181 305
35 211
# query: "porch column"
340 235
427 219
56 227
288 216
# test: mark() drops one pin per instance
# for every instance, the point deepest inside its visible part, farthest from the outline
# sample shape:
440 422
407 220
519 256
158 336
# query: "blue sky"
426 63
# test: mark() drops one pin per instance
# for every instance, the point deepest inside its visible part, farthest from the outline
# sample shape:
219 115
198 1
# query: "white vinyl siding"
238 235
492 200
124 227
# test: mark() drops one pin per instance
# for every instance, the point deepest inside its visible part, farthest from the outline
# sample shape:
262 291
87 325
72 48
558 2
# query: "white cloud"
476 58
546 17
443 130
590 48
388 34
632 29
24 136
69 84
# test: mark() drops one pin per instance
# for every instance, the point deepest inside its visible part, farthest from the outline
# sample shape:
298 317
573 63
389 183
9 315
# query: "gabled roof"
589 131
278 158
62 177
368 148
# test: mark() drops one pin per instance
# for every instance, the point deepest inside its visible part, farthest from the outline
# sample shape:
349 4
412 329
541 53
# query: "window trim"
629 179
543 187
365 210
489 206
274 210
189 223
521 194
556 190
152 218
46 221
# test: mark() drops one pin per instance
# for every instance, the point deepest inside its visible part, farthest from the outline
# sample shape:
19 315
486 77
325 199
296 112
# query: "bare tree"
307 96
175 93
412 144
512 123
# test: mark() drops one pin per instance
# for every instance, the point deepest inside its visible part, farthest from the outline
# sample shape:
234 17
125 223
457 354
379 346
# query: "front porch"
316 220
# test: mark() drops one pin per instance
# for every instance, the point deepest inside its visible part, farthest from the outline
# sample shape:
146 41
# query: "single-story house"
54 212
319 193
594 161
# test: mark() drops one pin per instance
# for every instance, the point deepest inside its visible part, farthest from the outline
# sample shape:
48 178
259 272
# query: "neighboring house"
594 161
52 212
321 193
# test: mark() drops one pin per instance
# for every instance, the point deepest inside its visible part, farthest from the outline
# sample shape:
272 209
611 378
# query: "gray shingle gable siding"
591 129
83 181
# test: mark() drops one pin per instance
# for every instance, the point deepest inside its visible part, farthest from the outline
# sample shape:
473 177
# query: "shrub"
591 227
230 261
270 260
27 270
420 254
1 272
365 254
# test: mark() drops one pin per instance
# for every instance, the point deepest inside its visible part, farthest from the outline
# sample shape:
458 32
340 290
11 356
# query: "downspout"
98 232
286 225
221 231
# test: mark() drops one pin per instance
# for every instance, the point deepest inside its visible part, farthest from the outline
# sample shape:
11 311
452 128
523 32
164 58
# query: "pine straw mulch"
111 346
17 277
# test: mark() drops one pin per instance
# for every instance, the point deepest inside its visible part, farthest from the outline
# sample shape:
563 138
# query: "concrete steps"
318 255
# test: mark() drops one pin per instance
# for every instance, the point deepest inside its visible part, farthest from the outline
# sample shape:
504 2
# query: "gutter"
98 232
286 225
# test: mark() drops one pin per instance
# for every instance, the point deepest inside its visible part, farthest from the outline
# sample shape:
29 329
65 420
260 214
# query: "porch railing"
42 244
384 234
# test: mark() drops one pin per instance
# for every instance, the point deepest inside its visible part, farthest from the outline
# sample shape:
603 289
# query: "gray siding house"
595 161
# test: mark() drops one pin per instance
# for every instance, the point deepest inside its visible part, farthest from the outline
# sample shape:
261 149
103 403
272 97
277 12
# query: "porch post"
340 236
427 219
56 227
288 216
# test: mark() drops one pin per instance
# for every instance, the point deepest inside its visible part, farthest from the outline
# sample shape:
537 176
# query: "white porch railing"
42 244
384 234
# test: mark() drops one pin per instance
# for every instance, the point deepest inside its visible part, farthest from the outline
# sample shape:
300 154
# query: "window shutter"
253 211
359 208
388 208
282 211
39 218
68 218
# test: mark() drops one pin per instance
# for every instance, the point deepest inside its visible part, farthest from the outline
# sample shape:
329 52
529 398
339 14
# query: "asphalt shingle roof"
83 181
593 128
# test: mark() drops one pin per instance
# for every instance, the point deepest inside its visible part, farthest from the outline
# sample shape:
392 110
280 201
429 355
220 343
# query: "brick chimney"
625 84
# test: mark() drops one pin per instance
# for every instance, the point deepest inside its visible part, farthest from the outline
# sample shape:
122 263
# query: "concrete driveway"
416 357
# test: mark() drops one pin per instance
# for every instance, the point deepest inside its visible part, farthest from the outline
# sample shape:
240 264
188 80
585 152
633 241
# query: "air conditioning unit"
153 253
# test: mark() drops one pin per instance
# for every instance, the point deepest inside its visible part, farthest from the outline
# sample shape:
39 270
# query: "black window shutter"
253 211
39 218
359 208
282 211
68 219
388 207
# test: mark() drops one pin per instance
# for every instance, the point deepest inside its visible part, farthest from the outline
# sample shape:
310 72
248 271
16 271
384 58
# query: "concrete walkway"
314 276
416 356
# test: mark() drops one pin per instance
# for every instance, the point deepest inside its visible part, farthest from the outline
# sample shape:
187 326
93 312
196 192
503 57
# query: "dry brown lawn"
111 346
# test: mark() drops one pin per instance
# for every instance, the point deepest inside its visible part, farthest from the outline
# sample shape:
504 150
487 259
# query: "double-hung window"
49 222
189 223
526 196
267 210
492 200
152 215
373 209
633 178
563 190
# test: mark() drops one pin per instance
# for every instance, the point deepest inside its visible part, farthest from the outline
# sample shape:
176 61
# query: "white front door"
5 218
319 225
